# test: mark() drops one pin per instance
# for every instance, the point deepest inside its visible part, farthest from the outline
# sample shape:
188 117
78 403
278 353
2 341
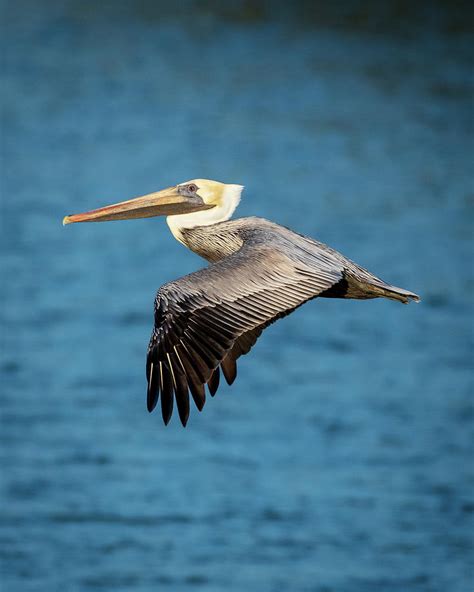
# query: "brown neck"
213 242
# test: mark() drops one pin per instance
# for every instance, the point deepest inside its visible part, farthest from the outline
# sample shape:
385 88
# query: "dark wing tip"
229 369
198 393
167 395
213 382
152 390
151 401
182 395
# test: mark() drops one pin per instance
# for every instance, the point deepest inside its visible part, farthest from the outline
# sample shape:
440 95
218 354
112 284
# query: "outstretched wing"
211 317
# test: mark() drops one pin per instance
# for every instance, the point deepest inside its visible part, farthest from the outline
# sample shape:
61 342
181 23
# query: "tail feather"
371 286
399 294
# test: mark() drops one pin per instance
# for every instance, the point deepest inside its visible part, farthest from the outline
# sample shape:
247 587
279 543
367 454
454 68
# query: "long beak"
162 203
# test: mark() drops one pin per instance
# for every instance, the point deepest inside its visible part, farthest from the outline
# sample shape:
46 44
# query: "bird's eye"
192 188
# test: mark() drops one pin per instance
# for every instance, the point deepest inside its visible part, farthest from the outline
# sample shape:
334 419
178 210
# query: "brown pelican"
259 272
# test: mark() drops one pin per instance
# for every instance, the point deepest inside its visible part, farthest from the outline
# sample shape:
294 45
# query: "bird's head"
195 203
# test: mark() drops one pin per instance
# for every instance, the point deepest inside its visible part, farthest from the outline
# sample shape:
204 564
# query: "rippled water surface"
341 459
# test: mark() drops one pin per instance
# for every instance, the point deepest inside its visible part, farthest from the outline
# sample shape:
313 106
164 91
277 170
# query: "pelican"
259 272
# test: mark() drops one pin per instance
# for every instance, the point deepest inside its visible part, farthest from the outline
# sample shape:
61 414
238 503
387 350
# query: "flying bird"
259 272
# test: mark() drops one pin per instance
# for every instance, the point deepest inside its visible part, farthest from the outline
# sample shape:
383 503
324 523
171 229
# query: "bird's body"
259 272
223 239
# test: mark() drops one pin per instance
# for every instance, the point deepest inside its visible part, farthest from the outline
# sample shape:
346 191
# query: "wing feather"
166 388
229 368
182 395
153 390
213 383
196 385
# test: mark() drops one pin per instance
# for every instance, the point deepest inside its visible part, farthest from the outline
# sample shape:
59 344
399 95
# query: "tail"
370 286
399 294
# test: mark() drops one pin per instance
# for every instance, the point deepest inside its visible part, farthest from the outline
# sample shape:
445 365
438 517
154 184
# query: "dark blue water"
342 458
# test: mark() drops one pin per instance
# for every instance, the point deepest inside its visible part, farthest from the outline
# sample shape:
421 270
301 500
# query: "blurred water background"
342 458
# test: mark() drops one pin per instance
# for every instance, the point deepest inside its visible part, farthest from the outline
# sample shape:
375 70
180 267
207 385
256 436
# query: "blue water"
342 457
